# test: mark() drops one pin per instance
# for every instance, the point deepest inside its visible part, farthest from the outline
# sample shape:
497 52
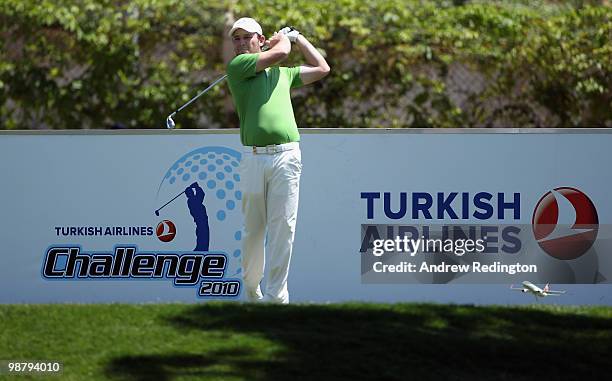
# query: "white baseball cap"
248 24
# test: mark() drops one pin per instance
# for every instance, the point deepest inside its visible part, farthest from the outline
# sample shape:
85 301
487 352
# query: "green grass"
352 341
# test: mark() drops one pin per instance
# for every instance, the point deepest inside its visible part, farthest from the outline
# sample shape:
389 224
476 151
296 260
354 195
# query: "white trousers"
270 184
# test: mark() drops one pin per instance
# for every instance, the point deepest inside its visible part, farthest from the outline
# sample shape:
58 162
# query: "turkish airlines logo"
166 230
565 223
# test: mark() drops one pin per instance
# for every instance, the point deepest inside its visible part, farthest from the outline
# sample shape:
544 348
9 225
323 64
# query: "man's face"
247 42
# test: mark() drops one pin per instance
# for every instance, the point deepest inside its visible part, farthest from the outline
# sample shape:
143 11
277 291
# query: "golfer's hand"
275 39
291 33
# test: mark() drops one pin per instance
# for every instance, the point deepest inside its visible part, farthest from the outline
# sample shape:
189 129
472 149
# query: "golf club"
175 197
170 122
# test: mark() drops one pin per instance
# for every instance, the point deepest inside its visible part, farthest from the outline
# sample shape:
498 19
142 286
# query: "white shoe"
272 300
254 296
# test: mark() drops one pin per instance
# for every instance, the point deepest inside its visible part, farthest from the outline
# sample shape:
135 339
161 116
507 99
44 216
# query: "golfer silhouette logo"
197 209
209 179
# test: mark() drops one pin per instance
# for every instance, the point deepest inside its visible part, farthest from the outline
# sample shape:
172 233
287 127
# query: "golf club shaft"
201 92
175 197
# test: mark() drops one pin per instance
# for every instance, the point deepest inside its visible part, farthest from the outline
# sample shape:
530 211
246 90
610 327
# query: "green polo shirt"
263 102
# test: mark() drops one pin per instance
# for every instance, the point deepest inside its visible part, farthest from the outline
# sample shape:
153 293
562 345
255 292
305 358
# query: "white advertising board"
80 222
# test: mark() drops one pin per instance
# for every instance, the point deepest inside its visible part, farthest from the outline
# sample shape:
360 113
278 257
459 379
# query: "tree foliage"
74 64
93 63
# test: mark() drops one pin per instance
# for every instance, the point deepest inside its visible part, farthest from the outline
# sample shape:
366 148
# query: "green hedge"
91 63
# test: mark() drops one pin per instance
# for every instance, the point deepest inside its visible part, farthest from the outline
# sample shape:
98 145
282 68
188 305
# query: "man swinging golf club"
271 165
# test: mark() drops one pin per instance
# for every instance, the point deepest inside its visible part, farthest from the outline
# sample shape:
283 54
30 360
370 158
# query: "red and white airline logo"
565 223
166 230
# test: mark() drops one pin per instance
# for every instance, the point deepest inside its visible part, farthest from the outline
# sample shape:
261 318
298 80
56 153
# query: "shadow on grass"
386 342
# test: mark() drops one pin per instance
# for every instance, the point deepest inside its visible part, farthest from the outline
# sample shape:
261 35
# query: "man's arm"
316 67
280 47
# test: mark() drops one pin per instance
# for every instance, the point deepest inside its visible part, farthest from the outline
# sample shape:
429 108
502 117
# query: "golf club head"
157 212
169 122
